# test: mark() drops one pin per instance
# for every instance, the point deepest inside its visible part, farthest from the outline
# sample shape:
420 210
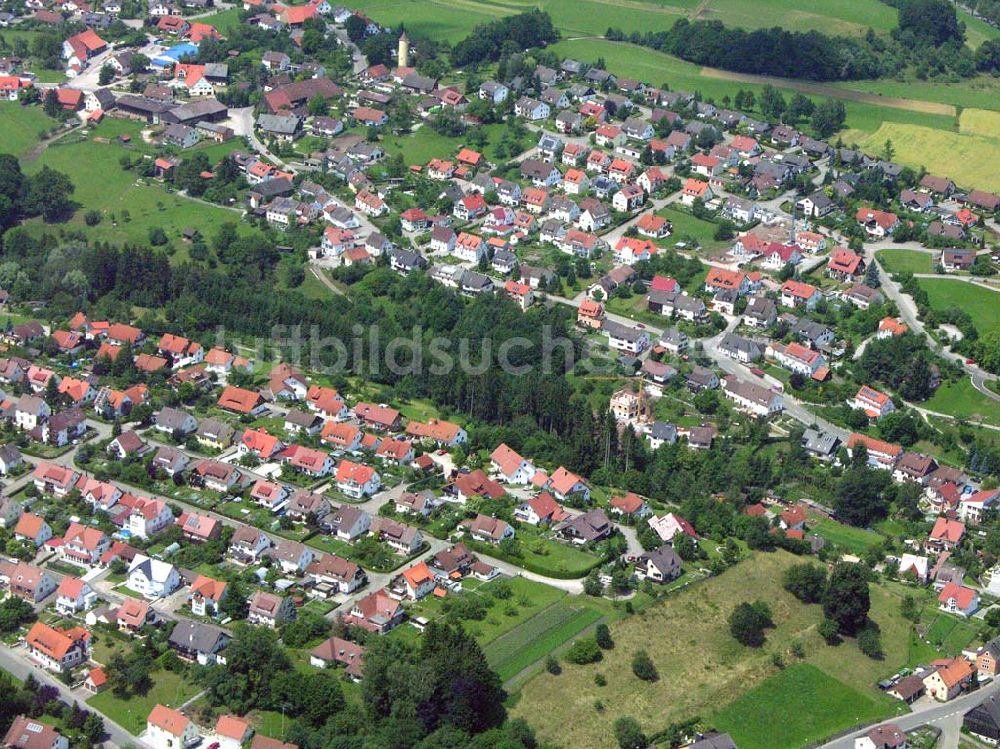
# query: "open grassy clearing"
760 719
425 144
963 401
527 600
687 226
544 556
21 127
982 304
447 21
897 260
224 21
169 689
855 540
102 185
700 664
966 158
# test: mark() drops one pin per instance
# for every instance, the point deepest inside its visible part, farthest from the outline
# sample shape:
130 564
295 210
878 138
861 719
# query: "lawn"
967 158
169 689
896 260
687 226
225 21
961 400
148 205
528 643
425 144
544 556
950 634
982 304
855 540
527 601
21 127
701 664
760 719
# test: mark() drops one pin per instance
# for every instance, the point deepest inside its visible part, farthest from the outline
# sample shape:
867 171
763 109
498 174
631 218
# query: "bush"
600 681
806 582
870 641
629 733
603 636
748 622
92 218
643 666
552 665
584 650
829 631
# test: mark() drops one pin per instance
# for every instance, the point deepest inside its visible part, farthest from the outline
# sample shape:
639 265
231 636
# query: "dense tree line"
487 43
440 694
928 39
900 362
775 51
45 194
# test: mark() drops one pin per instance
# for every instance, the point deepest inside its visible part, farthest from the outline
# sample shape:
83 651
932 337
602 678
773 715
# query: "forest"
928 40
487 43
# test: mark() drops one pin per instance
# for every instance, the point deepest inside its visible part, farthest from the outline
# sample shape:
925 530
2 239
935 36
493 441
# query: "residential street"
17 664
944 715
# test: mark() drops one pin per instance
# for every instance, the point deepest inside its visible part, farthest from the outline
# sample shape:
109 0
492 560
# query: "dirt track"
820 89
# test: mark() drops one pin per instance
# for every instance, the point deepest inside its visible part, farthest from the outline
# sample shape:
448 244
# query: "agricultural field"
864 111
977 92
897 260
452 20
967 158
982 304
849 17
760 719
528 643
979 122
963 401
21 127
700 664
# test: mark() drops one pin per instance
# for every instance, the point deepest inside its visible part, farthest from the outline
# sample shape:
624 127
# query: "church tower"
403 57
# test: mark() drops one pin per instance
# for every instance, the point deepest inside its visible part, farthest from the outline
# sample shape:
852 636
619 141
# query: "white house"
167 728
149 517
152 578
357 480
510 466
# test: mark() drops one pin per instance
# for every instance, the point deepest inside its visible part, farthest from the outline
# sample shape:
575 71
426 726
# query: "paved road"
15 663
909 314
